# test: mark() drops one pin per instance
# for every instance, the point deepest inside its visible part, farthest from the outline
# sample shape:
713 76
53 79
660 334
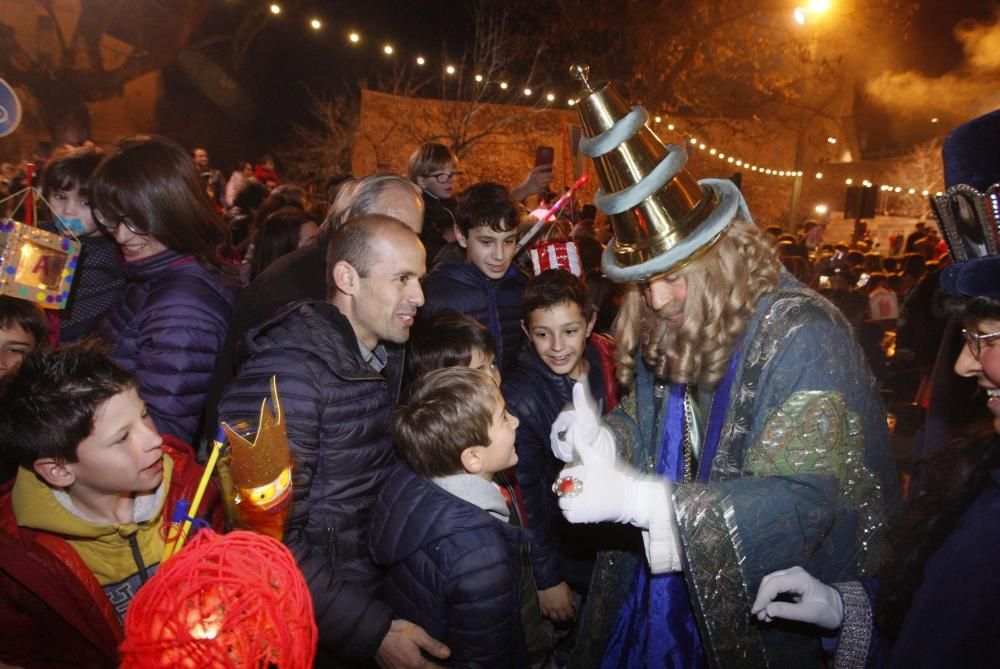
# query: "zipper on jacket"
331 544
133 543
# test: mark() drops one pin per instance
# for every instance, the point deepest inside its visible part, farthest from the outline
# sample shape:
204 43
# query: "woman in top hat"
937 600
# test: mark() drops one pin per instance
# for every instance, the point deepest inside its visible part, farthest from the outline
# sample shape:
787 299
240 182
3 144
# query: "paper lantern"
556 255
256 475
36 265
224 601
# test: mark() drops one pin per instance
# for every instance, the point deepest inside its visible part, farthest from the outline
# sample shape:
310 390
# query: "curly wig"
723 287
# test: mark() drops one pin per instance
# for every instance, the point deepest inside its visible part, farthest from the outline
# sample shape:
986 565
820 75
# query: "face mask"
71 225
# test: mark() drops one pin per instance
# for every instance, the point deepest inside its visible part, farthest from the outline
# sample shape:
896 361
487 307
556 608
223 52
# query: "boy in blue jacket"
486 286
440 526
558 319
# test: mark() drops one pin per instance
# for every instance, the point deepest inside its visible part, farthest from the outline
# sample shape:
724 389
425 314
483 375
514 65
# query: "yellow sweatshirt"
121 556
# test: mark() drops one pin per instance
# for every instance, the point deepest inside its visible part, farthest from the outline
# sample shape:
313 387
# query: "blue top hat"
969 212
972 153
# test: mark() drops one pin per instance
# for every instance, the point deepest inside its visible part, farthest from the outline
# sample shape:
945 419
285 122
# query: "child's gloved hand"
581 426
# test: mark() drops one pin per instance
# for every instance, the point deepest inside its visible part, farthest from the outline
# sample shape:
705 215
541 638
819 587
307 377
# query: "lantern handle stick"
530 234
178 543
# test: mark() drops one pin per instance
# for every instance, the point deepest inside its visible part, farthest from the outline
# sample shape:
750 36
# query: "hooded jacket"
494 303
452 568
337 414
54 610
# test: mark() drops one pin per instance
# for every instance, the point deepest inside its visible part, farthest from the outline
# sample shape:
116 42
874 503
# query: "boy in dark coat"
558 319
454 565
486 285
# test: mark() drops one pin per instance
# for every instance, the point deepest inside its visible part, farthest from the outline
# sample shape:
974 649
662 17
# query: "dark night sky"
288 60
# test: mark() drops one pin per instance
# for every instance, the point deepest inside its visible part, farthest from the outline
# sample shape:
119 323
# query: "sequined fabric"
802 475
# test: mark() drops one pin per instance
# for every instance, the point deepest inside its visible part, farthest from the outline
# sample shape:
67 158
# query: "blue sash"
656 626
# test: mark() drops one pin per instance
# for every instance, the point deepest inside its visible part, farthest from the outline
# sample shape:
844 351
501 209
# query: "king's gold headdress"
662 217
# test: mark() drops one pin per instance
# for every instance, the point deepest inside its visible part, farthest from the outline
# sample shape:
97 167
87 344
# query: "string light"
355 38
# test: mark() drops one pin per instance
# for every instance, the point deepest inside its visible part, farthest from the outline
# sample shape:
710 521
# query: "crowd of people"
507 452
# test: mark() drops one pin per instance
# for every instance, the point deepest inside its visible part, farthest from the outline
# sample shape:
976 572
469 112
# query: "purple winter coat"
167 332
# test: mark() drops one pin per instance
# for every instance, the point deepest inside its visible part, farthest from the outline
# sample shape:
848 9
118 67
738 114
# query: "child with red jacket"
82 524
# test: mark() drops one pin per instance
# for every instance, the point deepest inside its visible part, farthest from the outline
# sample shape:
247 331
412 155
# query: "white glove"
609 492
813 601
580 426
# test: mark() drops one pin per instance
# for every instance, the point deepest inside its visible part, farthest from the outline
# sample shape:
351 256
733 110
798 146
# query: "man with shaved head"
338 365
301 274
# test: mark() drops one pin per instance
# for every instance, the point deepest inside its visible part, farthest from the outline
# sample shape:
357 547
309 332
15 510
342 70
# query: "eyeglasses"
446 177
975 341
111 224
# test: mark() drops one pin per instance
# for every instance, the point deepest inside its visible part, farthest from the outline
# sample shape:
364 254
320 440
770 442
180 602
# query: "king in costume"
769 451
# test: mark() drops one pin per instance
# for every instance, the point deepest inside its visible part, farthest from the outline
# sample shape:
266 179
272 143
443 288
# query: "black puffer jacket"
337 409
453 569
494 303
535 394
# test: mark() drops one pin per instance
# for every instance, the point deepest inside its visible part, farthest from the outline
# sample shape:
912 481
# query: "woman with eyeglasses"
169 328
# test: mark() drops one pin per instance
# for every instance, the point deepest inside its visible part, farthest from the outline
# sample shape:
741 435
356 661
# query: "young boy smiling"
485 286
558 318
441 528
81 526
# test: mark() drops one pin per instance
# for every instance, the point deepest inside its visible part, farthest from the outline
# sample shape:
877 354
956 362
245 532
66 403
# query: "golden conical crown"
660 213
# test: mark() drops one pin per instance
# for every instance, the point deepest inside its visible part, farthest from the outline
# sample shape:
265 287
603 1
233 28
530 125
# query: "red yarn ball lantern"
224 601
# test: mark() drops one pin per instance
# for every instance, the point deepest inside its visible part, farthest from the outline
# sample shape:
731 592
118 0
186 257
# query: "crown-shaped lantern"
257 477
662 217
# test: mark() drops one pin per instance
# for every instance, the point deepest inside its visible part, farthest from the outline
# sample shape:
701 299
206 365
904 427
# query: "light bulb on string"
275 9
